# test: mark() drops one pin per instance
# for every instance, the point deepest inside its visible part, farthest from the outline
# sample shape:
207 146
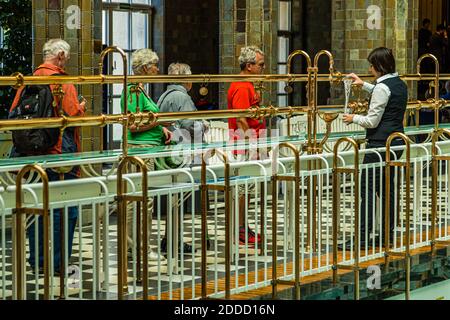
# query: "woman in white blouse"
387 106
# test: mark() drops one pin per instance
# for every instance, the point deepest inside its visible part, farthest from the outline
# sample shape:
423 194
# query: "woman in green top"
144 62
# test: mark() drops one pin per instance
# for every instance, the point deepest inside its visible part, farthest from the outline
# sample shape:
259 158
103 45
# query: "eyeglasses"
261 65
151 67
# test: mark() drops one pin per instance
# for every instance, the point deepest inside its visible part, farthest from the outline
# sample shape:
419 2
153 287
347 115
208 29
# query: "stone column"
244 23
359 28
79 22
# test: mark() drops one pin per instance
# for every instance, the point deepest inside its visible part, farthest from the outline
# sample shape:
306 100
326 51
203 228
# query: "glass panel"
282 101
105 26
116 106
284 17
139 30
117 132
117 70
283 49
169 150
121 29
117 89
117 128
117 64
130 31
281 86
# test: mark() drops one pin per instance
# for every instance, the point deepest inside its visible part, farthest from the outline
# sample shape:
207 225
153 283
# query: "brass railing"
406 255
337 171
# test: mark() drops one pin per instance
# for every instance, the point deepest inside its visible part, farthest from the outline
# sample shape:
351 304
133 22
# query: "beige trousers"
131 213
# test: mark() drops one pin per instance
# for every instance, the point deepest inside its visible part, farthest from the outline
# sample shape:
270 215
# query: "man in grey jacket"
177 99
185 131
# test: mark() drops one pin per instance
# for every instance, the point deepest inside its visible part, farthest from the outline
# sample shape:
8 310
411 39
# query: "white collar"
387 76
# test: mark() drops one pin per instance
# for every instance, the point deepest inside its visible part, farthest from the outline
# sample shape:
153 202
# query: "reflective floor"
437 291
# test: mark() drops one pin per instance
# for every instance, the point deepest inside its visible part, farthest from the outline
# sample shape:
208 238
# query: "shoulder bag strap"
165 95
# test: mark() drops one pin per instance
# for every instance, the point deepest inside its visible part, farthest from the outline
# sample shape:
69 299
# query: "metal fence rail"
92 272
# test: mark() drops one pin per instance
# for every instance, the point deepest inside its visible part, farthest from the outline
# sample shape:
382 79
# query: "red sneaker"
251 236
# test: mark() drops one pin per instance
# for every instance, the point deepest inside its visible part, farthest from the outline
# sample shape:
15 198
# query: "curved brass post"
331 62
315 86
434 187
328 117
309 88
407 165
311 116
122 201
20 242
226 188
313 145
103 54
294 54
296 179
336 187
436 83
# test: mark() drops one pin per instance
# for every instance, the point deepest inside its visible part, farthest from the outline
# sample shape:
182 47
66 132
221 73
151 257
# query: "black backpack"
35 102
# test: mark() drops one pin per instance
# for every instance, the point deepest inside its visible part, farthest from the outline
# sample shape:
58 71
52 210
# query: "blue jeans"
72 221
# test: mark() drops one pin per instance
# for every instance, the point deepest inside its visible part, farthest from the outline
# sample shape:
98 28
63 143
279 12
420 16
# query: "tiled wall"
244 23
234 24
353 40
51 19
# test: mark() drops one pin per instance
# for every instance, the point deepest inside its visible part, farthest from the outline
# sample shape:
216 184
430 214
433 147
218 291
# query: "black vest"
393 116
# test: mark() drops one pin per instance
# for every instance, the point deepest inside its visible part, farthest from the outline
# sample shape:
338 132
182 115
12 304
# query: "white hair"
54 47
248 55
141 58
179 69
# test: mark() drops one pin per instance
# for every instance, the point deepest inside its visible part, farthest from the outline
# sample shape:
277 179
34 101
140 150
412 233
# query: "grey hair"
141 58
53 47
179 69
248 55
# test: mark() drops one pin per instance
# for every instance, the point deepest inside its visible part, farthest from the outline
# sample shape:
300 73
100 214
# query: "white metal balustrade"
92 270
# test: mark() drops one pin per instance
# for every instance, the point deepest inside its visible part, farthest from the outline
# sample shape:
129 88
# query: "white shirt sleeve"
368 87
378 103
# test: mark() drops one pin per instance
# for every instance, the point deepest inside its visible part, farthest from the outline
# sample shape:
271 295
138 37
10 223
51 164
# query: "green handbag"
167 163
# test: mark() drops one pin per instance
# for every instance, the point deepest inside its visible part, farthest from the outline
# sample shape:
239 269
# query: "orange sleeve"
70 104
16 99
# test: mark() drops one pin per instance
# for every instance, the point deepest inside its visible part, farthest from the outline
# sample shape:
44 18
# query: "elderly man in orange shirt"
242 95
56 53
